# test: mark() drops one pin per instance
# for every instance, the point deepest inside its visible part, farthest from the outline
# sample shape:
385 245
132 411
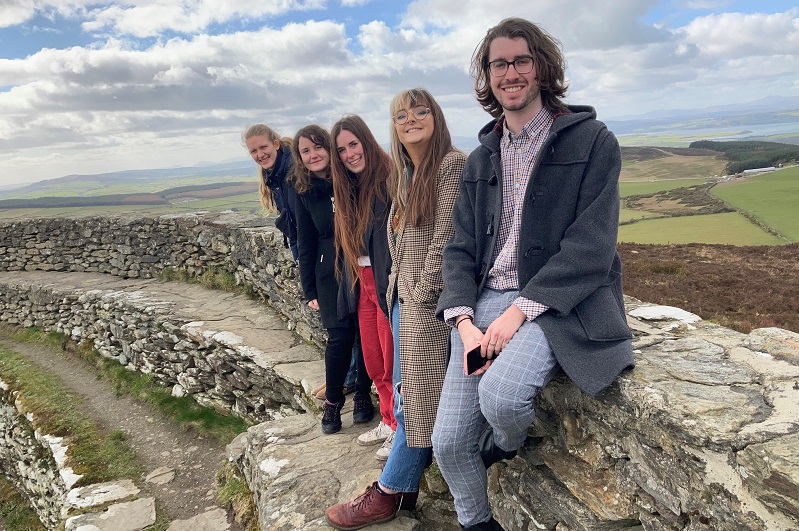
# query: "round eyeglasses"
419 112
522 65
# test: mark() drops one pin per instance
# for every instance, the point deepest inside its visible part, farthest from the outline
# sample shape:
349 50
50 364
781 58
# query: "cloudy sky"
90 86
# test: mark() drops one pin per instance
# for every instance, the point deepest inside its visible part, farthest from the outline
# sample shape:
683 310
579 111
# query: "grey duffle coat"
567 255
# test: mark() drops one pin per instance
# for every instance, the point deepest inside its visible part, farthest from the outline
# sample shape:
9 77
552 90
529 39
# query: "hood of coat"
277 175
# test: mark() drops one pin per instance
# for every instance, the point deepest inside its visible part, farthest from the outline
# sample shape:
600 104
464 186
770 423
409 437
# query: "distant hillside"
137 181
164 197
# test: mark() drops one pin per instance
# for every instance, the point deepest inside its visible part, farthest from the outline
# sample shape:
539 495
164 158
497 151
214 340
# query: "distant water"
728 132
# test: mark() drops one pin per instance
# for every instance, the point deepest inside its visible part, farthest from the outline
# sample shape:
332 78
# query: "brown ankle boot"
371 507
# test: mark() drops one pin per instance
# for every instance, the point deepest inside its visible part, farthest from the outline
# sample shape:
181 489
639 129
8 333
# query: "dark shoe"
408 502
490 453
364 410
491 525
371 507
331 416
349 389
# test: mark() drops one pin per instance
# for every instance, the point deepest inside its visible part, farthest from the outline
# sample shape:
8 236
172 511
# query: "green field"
730 228
645 188
627 215
773 198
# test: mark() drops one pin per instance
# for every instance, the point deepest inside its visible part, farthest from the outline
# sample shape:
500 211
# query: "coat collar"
491 134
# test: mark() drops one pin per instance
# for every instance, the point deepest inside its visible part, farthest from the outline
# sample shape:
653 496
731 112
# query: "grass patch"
234 494
630 188
628 215
672 166
96 455
15 513
729 228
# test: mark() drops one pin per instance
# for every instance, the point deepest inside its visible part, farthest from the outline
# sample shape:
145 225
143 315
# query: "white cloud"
147 19
13 12
122 104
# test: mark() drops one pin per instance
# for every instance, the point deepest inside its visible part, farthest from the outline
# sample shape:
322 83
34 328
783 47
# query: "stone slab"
128 516
100 493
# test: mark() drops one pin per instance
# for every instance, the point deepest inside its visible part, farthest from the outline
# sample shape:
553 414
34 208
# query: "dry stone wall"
703 434
26 457
37 464
144 247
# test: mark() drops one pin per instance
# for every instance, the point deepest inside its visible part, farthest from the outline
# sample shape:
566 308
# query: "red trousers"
377 344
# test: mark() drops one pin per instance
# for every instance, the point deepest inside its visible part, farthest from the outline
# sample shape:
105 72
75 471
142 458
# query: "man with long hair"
532 279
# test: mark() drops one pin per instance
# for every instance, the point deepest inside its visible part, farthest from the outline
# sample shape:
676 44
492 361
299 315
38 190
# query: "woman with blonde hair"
424 185
360 171
273 156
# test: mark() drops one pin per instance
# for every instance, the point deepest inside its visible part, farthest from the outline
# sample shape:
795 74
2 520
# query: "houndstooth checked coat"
416 282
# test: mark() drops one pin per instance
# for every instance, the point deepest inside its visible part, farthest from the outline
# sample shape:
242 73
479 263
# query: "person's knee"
499 403
446 444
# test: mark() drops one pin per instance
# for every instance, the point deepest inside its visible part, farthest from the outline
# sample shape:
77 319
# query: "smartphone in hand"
474 360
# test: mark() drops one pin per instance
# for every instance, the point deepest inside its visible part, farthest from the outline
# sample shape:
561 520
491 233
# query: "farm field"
730 228
628 188
627 215
672 165
772 198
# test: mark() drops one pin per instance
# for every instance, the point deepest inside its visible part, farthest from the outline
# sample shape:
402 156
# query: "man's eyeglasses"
420 113
522 65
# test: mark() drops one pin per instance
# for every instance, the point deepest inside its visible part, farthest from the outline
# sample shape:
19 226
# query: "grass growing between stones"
234 494
96 454
183 410
15 513
211 278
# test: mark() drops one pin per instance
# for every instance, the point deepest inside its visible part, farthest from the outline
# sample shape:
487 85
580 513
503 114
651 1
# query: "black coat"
317 251
376 241
376 246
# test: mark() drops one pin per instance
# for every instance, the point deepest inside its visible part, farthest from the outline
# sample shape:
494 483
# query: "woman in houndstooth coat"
421 225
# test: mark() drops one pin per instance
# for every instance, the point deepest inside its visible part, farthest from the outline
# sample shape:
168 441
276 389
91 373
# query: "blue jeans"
405 465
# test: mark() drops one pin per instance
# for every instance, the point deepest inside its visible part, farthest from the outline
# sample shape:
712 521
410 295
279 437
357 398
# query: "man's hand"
314 305
500 332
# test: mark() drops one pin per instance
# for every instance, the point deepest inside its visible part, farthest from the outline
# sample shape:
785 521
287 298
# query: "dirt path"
157 442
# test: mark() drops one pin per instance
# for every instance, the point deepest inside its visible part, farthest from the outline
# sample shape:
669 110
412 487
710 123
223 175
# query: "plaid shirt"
518 153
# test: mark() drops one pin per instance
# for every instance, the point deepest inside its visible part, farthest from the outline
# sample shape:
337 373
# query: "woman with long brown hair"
359 175
424 186
273 155
317 259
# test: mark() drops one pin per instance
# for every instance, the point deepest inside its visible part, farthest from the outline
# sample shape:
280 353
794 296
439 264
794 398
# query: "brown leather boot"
371 507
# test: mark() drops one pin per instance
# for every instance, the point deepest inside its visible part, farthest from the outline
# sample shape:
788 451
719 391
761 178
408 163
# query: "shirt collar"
537 124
